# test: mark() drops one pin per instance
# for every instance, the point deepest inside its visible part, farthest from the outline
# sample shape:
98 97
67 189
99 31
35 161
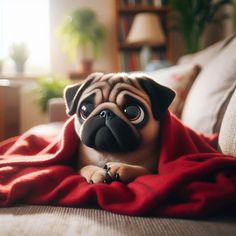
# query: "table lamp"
146 30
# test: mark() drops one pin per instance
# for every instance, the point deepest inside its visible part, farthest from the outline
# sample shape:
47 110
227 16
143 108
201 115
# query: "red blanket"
193 179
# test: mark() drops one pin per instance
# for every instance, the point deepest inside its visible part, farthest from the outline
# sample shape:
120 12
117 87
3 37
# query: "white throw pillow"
211 91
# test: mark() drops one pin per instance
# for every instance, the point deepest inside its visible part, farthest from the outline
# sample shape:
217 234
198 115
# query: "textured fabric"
40 221
57 110
204 56
192 180
227 136
210 92
52 129
179 78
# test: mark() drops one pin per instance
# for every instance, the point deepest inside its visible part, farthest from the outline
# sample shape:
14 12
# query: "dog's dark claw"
117 177
106 168
107 179
91 182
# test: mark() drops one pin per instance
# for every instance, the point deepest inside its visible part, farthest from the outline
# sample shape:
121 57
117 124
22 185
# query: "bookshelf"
128 54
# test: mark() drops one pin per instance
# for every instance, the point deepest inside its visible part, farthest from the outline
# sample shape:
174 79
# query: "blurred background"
47 44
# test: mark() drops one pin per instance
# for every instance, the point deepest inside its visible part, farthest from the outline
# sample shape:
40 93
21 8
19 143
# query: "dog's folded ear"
72 93
160 96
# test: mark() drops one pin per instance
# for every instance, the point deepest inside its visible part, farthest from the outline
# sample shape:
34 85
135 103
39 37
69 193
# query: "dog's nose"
106 114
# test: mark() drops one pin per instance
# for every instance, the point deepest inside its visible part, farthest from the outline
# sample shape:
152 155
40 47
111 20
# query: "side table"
9 109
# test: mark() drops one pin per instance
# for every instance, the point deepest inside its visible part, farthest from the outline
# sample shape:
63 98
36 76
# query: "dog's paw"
124 172
95 174
112 171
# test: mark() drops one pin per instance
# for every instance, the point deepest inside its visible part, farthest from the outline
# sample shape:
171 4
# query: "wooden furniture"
19 110
125 10
9 109
78 76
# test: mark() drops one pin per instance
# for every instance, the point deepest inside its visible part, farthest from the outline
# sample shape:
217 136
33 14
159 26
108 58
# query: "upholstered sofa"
209 107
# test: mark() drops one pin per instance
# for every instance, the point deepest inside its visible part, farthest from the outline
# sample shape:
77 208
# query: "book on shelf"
130 61
129 55
135 3
157 3
124 26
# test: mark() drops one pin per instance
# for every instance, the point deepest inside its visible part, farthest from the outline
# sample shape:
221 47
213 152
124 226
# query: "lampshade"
146 29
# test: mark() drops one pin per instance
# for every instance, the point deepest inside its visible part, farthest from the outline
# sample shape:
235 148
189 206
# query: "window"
26 21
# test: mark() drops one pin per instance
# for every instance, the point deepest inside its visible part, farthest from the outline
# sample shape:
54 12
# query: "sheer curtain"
26 21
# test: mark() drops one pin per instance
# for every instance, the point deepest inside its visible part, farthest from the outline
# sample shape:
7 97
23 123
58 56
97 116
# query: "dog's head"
117 112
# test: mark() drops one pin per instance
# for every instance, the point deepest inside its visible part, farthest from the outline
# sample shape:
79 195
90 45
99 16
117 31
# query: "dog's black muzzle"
107 132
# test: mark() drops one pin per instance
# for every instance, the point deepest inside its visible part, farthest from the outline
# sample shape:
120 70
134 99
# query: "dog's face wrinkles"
116 96
114 112
117 118
120 102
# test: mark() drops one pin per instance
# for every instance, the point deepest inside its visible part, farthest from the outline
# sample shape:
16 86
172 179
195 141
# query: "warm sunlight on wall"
26 21
105 13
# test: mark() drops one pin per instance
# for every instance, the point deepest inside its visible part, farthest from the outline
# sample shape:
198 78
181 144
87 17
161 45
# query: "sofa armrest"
57 110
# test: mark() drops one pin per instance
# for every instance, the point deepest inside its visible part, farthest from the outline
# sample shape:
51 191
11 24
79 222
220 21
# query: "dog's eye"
134 113
85 109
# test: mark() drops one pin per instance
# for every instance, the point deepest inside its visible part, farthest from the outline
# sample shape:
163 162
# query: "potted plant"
190 18
82 31
19 53
50 86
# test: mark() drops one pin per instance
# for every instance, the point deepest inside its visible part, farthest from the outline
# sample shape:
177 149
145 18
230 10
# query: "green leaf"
19 52
48 87
81 28
190 18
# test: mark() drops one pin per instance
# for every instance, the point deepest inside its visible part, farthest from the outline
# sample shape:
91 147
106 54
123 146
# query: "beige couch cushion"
204 56
37 221
57 110
210 92
227 136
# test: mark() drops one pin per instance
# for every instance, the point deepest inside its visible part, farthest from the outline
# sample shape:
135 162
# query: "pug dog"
117 119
